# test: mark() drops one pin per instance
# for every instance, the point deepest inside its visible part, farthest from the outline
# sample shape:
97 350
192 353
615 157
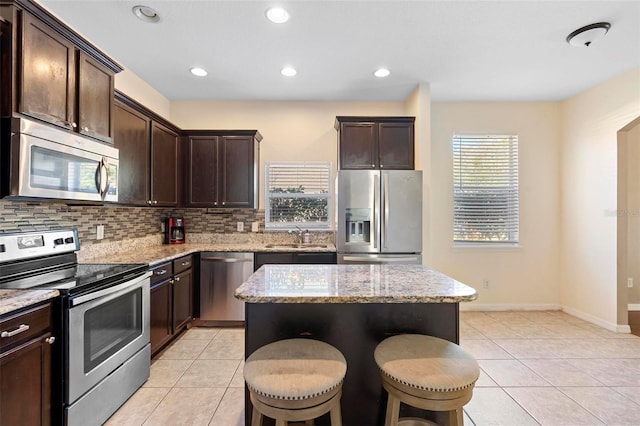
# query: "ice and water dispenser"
358 225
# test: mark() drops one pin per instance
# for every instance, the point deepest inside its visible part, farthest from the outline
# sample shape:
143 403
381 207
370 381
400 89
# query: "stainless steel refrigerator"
379 216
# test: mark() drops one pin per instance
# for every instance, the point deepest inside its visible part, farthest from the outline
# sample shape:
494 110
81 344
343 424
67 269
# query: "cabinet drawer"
182 264
25 325
161 272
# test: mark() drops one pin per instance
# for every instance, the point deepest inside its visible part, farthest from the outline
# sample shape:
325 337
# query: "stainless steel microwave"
47 162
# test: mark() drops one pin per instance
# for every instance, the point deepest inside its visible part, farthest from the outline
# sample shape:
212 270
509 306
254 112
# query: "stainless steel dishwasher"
220 275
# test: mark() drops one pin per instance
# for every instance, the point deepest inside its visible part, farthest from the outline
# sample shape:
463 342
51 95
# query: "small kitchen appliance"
174 232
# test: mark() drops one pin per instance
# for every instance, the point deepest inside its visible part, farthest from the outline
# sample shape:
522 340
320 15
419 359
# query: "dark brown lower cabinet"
25 368
182 300
171 305
260 259
160 315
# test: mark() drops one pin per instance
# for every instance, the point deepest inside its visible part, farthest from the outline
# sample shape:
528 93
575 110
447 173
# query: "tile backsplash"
119 222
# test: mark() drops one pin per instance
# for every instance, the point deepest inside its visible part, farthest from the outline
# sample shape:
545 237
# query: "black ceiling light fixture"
588 34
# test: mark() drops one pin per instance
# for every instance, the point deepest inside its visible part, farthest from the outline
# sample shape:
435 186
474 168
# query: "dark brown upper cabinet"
375 142
222 168
51 73
150 172
165 154
132 137
95 98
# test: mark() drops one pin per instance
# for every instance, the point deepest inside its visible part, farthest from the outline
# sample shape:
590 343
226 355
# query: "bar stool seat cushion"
295 369
426 363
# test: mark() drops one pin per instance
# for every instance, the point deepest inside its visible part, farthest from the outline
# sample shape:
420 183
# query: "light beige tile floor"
537 368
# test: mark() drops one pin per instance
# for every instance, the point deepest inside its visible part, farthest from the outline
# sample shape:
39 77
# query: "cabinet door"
358 146
202 171
25 384
182 300
237 171
260 259
317 258
95 98
131 137
48 83
160 315
396 146
164 166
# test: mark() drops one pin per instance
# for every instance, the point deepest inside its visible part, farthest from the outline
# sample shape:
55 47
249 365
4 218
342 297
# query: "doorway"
629 226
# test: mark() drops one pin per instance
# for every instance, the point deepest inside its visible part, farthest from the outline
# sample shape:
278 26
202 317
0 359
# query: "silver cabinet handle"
155 202
21 328
161 272
85 129
185 263
171 281
177 279
50 340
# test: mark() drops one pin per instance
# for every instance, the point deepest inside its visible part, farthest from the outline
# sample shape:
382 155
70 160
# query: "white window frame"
504 185
285 226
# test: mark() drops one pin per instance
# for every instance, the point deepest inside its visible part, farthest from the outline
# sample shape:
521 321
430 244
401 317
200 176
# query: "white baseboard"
510 307
617 328
634 307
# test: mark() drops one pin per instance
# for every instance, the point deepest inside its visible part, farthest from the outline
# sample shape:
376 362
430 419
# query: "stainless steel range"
101 321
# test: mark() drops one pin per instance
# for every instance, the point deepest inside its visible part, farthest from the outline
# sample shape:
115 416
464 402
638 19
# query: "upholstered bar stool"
428 373
295 380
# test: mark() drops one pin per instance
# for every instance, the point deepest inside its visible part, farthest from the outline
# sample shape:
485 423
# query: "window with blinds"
485 189
298 194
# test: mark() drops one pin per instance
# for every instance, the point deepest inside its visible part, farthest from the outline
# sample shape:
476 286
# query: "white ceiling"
467 50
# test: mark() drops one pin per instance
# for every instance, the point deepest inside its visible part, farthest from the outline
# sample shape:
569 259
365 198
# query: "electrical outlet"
630 282
240 226
162 227
99 232
255 226
485 284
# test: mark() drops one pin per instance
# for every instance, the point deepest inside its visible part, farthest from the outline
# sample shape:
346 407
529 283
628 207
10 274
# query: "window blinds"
485 188
298 194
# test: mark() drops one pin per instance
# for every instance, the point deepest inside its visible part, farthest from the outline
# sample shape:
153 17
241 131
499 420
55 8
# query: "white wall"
133 86
523 277
418 105
590 122
292 131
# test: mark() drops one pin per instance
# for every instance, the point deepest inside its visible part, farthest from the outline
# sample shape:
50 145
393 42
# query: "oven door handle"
111 290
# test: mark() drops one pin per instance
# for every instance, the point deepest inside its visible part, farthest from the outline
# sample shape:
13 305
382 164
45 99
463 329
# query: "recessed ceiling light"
145 13
288 71
200 72
586 35
382 72
277 15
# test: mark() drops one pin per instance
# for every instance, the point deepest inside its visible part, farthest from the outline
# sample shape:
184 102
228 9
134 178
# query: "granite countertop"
11 300
157 254
352 284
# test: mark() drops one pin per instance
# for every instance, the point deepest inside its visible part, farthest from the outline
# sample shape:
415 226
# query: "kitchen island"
352 307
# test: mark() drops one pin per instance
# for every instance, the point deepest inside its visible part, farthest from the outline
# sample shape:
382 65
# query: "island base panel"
355 330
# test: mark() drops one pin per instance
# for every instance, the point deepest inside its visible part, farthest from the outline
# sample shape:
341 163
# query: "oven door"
105 329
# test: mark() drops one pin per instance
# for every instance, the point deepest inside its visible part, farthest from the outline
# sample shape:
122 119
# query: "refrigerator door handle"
375 232
385 207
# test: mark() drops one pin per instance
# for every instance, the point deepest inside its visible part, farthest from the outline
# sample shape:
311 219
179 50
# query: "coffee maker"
174 230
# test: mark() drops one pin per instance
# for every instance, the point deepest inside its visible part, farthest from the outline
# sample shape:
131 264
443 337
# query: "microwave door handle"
107 180
102 178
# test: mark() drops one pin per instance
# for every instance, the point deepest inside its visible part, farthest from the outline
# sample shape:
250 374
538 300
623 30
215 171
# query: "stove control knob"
68 240
58 241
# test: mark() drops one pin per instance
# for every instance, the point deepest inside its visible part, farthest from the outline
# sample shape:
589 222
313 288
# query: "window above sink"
298 196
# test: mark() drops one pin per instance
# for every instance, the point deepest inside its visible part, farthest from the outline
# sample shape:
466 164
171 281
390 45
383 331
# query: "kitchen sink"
295 245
